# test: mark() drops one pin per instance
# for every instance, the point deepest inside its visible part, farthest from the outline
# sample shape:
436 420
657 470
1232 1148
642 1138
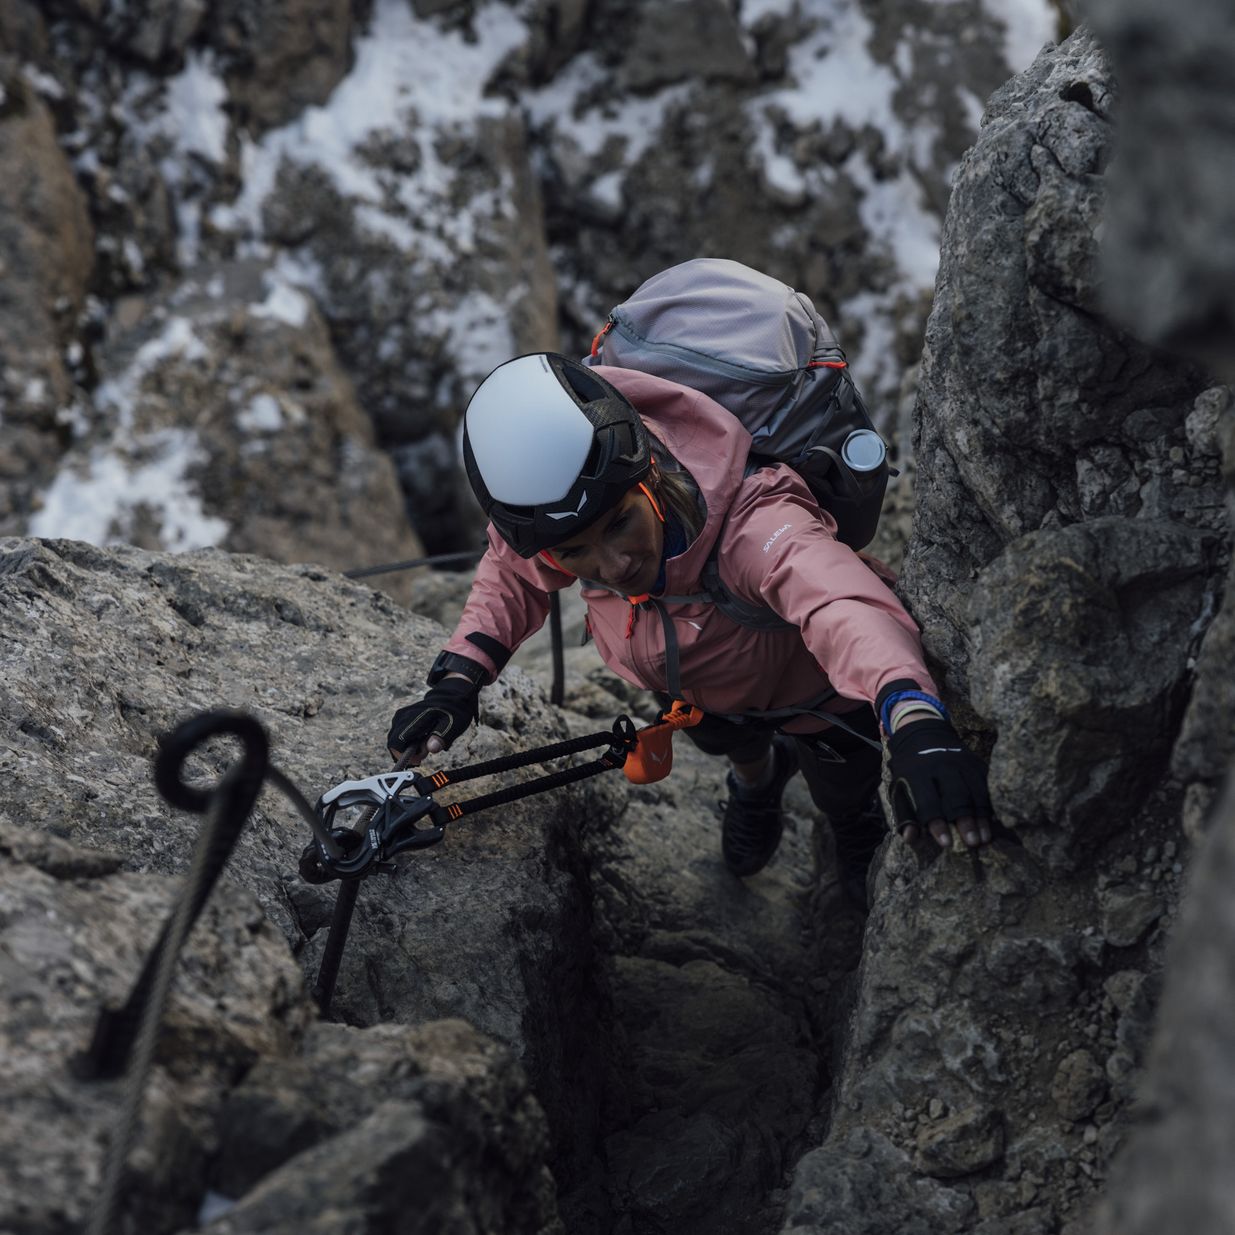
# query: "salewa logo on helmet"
569 514
771 540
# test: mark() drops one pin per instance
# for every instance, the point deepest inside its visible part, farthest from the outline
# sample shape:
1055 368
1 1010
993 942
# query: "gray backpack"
760 350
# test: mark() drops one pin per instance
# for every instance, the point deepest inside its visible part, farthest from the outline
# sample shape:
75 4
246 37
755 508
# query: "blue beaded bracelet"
885 713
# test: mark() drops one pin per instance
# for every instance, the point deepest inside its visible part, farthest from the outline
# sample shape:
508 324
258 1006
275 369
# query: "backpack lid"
723 311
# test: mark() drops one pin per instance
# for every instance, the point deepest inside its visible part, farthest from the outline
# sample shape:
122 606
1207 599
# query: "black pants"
841 771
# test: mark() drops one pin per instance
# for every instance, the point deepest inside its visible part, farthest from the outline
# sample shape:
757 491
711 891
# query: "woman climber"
633 485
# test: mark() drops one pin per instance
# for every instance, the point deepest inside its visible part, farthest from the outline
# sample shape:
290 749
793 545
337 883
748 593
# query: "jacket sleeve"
508 603
779 548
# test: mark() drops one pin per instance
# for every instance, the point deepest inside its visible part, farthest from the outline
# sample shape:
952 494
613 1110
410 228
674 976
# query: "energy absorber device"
399 815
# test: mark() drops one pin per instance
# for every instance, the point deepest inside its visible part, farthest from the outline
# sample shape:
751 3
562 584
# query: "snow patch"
895 215
195 117
42 83
1028 26
606 190
185 119
752 11
478 334
873 313
262 414
975 108
283 302
835 79
635 122
99 500
100 505
177 339
411 84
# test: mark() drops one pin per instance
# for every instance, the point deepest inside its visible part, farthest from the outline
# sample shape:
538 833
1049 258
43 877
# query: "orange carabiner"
652 758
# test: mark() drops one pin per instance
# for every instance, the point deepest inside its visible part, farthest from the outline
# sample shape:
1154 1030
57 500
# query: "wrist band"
885 712
912 707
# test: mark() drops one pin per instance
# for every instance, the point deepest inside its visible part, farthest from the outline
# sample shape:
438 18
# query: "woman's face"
620 550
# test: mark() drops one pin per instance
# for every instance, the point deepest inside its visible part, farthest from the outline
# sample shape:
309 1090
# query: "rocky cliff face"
671 1022
1068 554
1181 123
102 651
651 1045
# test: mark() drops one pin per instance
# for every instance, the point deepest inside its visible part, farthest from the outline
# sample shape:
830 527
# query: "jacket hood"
708 441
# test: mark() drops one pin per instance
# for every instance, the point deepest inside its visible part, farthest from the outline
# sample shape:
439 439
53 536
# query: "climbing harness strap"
813 707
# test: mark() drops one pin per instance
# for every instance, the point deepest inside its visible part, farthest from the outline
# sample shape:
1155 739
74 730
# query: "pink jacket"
777 548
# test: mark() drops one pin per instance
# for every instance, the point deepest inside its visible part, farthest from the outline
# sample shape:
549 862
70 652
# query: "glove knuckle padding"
445 712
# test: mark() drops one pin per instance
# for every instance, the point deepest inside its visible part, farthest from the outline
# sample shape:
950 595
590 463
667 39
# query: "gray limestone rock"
968 1141
1169 250
149 30
425 1129
280 58
970 970
1206 745
73 934
1069 525
683 40
724 1085
1174 1169
103 650
864 1186
46 256
718 989
1054 623
691 1029
1127 913
1079 1085
315 1125
22 30
1033 412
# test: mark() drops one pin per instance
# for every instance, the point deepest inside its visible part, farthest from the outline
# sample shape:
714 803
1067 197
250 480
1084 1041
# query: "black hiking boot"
857 839
752 824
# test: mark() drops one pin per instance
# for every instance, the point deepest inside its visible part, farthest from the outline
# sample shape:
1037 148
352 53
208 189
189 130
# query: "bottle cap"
863 450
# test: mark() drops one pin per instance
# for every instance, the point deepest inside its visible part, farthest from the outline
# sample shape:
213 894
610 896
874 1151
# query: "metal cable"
341 919
142 1054
466 555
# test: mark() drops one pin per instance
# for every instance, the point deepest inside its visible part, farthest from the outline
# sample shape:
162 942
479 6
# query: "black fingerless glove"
445 712
935 776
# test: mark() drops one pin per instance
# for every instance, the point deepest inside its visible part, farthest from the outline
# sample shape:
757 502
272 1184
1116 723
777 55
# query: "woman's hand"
430 726
936 782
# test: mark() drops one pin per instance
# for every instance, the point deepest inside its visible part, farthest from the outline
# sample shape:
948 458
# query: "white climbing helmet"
549 446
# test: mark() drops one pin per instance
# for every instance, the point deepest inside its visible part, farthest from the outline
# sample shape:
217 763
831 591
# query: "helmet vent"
582 383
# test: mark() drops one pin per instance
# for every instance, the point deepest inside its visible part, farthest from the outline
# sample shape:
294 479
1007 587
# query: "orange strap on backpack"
652 758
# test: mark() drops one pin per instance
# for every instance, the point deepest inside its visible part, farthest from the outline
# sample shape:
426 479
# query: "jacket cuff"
452 662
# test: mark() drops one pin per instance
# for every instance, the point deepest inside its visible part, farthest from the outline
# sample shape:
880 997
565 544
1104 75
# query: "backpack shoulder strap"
745 613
